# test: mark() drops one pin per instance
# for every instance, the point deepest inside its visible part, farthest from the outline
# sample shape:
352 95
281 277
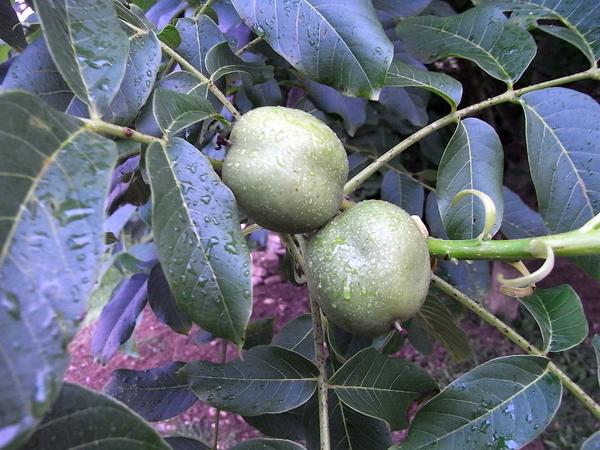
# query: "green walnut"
368 268
286 168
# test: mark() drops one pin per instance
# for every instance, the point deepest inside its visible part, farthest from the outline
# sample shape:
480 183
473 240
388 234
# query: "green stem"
204 8
212 87
320 350
572 243
218 418
508 96
250 44
519 340
99 126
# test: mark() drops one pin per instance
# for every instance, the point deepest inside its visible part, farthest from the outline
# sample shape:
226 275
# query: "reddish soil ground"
158 344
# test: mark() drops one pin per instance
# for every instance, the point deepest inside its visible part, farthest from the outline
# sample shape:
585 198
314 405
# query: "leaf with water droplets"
562 128
155 394
503 403
200 244
54 177
341 44
268 380
34 71
81 418
380 386
482 35
88 46
559 314
198 36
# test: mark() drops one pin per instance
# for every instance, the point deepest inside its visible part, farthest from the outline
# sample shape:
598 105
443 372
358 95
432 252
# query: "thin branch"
508 96
212 87
99 126
204 8
250 44
320 350
321 360
516 338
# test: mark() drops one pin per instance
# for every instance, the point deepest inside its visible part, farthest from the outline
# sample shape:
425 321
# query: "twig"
250 44
508 96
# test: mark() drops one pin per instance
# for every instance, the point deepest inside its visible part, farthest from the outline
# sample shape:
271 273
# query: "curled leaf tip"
488 206
526 283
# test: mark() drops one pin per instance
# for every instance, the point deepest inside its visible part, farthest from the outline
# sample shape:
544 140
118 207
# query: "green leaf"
286 425
143 63
503 403
592 443
267 444
182 82
404 75
473 159
559 314
259 332
519 220
200 243
35 72
220 61
562 129
81 418
268 380
482 35
174 111
342 45
170 35
88 46
596 344
435 317
156 394
11 30
380 386
352 110
198 36
54 177
404 191
581 20
297 335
